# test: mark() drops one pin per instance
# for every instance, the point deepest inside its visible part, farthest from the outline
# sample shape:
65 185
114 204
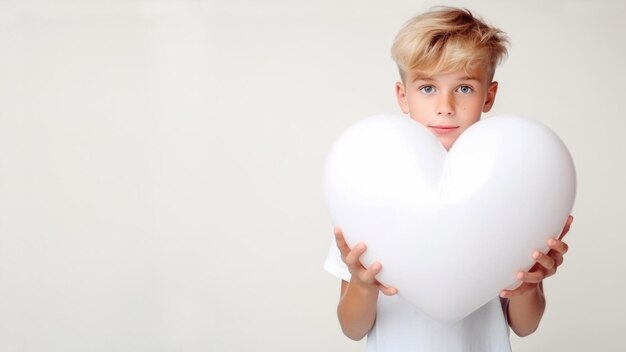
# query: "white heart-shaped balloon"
451 229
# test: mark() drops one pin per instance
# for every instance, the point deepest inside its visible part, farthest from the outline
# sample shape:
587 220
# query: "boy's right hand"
364 277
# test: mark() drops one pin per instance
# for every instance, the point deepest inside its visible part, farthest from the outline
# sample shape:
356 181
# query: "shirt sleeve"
334 265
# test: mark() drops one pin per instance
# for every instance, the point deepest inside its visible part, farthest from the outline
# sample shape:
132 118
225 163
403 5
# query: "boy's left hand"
545 264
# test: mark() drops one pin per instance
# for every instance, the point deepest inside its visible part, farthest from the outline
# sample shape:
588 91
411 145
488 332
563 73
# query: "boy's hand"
545 264
362 276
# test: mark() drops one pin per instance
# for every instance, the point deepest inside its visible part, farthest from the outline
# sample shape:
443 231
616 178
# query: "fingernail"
536 255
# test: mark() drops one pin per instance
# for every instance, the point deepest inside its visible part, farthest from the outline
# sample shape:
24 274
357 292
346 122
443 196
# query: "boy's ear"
491 96
401 97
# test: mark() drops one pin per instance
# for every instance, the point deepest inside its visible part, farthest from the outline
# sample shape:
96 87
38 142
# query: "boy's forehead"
461 77
475 74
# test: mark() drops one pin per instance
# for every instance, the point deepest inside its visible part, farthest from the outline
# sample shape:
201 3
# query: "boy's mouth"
443 129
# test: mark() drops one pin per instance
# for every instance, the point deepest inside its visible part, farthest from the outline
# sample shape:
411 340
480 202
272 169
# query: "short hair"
447 39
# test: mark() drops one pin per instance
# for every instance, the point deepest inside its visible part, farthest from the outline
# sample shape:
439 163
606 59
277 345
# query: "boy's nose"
445 106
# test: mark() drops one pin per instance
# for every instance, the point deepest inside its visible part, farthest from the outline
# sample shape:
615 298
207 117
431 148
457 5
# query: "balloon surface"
450 228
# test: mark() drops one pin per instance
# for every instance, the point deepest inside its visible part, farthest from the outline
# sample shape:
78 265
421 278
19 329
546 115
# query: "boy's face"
447 103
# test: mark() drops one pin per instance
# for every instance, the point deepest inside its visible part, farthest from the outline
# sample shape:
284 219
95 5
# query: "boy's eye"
465 89
427 89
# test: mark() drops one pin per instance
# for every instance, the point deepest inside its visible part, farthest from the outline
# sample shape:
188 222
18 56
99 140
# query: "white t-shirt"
401 327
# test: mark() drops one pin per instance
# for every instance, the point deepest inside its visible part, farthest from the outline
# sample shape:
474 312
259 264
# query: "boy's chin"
447 143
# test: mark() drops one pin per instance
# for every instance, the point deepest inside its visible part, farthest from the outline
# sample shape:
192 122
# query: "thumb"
568 223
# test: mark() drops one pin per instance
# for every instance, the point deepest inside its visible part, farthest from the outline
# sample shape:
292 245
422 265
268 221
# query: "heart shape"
451 229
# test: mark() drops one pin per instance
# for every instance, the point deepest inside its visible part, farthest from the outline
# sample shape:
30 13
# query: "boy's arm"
357 306
527 303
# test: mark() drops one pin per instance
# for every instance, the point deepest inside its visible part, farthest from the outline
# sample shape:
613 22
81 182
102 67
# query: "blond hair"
445 40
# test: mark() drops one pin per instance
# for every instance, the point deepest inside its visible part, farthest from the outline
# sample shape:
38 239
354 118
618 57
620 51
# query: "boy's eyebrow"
470 78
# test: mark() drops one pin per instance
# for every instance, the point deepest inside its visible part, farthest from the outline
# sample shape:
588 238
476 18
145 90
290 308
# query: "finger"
531 277
387 291
547 262
568 224
341 242
352 259
507 293
518 291
557 257
558 246
369 275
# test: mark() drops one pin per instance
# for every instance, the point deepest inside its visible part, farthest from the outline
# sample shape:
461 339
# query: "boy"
447 59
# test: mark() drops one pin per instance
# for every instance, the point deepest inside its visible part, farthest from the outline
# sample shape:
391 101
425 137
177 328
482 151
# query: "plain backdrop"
161 163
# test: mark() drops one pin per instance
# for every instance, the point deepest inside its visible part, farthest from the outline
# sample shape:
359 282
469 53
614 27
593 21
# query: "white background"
160 165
